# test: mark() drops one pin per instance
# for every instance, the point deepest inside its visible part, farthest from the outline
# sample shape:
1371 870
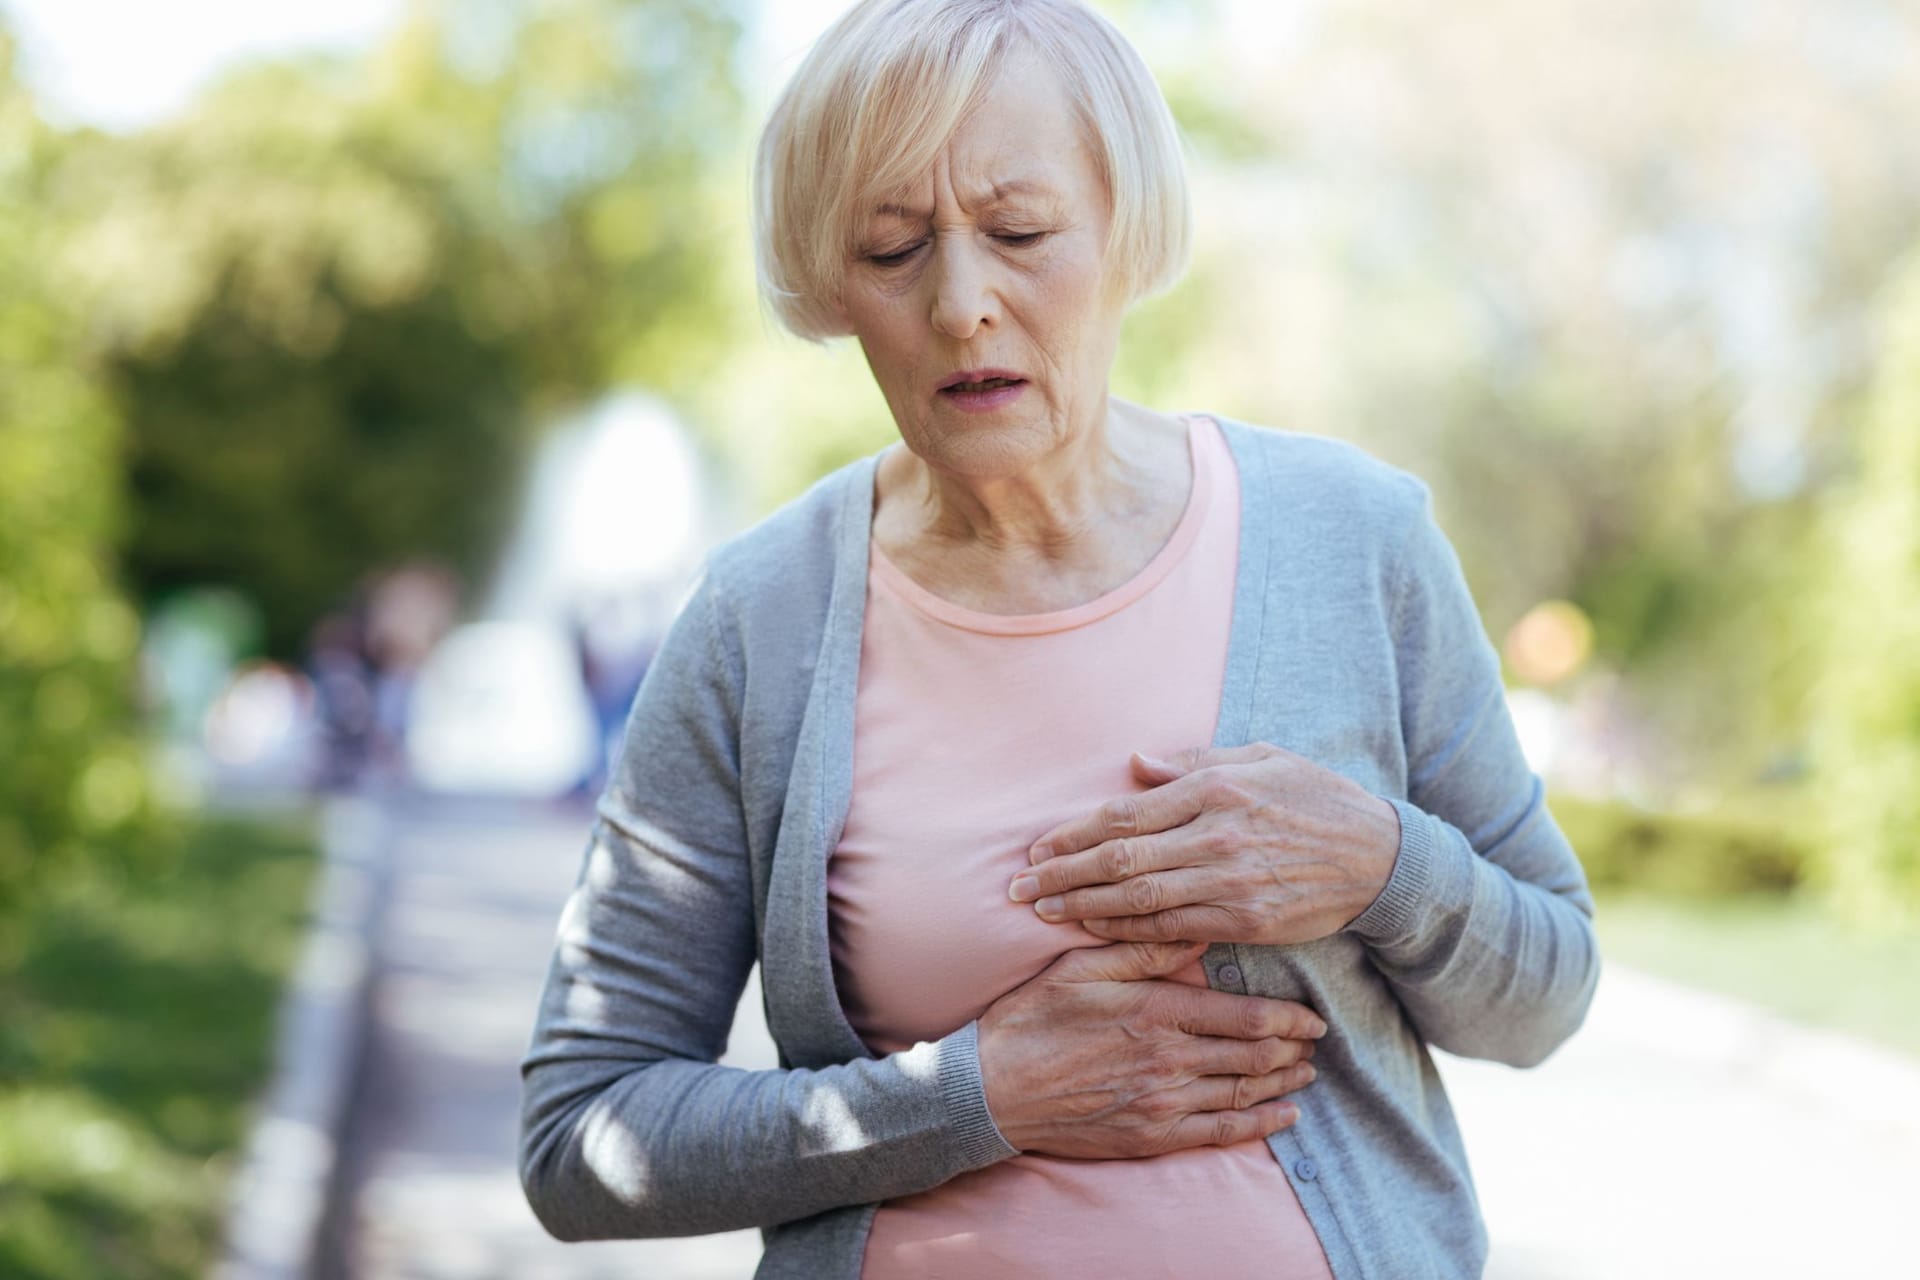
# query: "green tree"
1866 704
73 778
338 300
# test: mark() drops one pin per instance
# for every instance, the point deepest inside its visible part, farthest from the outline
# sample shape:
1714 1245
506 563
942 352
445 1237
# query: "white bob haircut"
881 93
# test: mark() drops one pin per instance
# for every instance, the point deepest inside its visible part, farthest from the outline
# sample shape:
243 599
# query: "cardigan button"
1306 1168
1230 974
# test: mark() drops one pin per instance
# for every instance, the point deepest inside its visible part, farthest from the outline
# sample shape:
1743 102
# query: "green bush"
1754 846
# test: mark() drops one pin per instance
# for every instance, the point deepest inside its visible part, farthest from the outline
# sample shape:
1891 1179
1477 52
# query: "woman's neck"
1080 523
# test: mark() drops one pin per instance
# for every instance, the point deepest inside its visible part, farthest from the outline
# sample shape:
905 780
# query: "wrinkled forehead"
916 204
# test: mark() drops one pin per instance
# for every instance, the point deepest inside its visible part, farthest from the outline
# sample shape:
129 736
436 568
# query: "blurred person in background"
364 658
342 676
1119 803
410 610
613 640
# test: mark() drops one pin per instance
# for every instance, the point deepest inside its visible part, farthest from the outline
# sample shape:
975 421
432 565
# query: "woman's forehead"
973 194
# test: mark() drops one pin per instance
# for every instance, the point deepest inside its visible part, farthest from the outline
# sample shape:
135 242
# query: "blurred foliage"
133 1040
1602 271
1764 843
73 779
337 300
1865 626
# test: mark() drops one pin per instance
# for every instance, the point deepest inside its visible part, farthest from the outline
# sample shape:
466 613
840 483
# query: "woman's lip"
984 401
980 375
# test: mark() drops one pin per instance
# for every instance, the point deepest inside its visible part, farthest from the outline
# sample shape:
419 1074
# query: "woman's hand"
1099 1057
1246 844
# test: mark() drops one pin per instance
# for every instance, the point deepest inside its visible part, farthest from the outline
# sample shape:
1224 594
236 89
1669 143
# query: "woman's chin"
986 446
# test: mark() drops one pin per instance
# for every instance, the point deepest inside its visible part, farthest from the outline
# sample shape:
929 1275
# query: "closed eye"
896 258
899 256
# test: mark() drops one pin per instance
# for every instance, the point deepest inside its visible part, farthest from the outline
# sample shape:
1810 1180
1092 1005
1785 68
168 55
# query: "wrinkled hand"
1103 1056
1247 844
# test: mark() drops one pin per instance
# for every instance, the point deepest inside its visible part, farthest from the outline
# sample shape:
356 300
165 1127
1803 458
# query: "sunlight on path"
1685 1134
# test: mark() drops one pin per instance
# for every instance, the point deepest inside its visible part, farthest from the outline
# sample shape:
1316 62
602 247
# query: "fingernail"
1039 854
1317 1030
1153 762
1050 906
1023 888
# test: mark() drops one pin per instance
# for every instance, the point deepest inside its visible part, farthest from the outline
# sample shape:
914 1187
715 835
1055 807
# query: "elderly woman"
1118 803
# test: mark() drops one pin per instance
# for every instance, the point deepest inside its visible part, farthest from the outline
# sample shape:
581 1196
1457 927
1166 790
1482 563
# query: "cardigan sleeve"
1485 926
629 1127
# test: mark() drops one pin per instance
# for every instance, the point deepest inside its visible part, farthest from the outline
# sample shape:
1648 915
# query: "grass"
135 1032
1775 951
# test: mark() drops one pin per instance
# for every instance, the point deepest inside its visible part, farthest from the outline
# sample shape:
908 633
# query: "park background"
333 345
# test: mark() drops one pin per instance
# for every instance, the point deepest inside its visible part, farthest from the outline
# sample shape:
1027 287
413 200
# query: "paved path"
1678 1135
430 1171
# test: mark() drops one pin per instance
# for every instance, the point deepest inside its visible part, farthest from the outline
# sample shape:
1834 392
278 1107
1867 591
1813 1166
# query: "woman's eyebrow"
1019 187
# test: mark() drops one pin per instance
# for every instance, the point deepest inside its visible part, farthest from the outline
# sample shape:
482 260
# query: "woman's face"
993 261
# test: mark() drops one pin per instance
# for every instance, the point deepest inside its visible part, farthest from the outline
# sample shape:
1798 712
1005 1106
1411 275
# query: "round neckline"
1028 624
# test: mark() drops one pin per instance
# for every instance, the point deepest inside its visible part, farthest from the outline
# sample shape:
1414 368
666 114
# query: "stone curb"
282 1192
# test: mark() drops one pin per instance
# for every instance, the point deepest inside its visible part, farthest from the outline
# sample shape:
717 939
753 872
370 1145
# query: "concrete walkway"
429 1166
1678 1135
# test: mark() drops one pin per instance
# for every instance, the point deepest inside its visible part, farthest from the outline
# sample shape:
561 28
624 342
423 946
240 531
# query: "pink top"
974 734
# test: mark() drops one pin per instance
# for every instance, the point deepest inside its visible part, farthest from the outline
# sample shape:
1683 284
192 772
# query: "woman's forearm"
1487 962
612 1149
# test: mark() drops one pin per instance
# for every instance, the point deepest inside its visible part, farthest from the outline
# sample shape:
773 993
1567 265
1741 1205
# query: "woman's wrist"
1376 841
963 1087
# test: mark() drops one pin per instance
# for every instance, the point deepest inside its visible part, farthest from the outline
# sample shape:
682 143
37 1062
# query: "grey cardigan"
1355 642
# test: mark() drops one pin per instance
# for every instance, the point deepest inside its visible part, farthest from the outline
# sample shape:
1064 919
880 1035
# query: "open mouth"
989 384
984 389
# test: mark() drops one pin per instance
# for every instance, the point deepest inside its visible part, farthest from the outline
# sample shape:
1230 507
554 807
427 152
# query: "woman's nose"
963 298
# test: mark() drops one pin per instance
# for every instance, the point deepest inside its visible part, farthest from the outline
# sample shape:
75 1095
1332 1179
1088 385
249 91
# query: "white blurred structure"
615 503
615 518
499 708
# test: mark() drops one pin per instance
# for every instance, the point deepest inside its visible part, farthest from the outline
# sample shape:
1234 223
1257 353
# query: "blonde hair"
880 94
